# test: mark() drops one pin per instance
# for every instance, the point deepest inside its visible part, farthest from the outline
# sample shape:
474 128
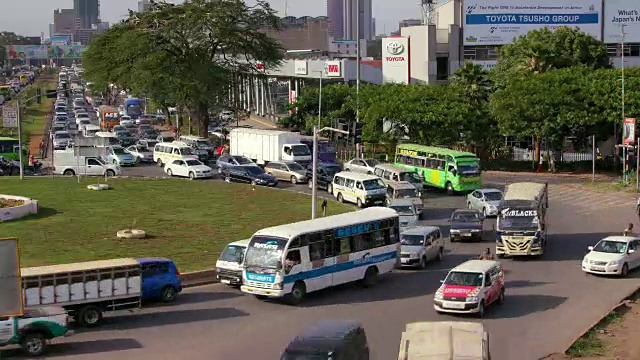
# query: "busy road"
549 302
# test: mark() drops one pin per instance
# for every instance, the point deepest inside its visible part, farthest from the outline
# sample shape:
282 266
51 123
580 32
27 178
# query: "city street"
549 300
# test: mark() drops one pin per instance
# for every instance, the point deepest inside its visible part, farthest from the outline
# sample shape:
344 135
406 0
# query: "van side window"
176 151
378 172
387 175
359 185
349 183
338 181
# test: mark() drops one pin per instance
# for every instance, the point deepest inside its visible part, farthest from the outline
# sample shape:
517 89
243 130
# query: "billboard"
333 68
44 51
629 131
10 278
395 60
58 40
498 22
485 64
618 13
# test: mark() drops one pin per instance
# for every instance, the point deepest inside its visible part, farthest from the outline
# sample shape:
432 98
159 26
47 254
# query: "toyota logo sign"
395 48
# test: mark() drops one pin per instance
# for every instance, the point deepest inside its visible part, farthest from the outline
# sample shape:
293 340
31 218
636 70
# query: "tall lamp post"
624 148
314 178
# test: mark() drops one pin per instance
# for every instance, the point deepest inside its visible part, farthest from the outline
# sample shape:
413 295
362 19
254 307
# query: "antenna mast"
428 6
286 8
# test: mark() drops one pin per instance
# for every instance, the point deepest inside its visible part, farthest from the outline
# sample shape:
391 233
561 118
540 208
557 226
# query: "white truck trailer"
444 340
264 146
85 290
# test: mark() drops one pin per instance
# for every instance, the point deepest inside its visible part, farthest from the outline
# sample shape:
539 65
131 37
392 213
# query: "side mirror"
590 248
631 251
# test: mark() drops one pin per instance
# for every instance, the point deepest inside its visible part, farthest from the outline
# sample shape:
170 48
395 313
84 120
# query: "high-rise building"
88 13
335 13
144 5
351 18
64 21
52 30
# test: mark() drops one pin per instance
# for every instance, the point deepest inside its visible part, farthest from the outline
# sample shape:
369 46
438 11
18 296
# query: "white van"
229 264
361 189
390 173
90 130
165 153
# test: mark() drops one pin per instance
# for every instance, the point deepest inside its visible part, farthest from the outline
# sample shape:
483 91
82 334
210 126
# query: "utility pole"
358 36
624 148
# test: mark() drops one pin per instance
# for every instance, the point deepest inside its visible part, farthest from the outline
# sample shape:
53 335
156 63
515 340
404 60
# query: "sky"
31 17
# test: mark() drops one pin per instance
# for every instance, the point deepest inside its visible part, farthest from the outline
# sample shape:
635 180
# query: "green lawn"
188 221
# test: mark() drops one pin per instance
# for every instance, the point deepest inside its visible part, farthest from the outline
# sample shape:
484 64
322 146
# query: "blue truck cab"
160 279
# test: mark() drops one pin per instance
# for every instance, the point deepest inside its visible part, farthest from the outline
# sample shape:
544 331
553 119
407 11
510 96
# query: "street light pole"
624 149
314 171
19 119
357 67
319 101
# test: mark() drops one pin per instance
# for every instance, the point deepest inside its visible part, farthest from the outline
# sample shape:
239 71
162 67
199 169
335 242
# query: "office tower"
88 13
144 5
350 19
52 30
335 13
63 21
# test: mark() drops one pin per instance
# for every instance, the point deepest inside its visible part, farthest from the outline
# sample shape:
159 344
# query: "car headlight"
454 231
473 299
475 230
414 255
613 263
438 295
492 207
277 286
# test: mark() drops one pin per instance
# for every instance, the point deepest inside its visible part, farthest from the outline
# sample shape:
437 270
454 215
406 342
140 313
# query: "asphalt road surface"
549 301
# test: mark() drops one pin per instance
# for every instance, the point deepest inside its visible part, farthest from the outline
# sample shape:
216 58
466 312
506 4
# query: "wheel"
298 292
159 162
192 175
34 344
310 183
330 188
370 277
449 188
169 172
294 180
254 183
359 203
625 270
69 172
440 256
111 173
500 299
481 309
89 316
168 294
340 199
423 263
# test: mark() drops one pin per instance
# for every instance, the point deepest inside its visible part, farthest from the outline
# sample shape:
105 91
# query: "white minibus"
361 189
292 260
165 153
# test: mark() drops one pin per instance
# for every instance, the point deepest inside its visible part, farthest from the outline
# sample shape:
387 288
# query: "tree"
188 53
306 106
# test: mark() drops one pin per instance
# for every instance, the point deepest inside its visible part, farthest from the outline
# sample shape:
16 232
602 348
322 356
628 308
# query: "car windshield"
300 150
466 216
458 278
233 253
411 177
118 128
611 247
186 151
518 223
403 209
63 136
203 143
254 170
241 160
493 196
193 163
123 134
168 139
469 169
407 193
373 184
305 355
332 170
371 162
411 240
264 251
119 151
141 149
85 122
295 167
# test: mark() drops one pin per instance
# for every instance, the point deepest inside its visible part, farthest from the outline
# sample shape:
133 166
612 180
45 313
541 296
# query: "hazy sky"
31 17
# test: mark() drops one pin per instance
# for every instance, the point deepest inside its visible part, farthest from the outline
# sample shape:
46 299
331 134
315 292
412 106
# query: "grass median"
187 221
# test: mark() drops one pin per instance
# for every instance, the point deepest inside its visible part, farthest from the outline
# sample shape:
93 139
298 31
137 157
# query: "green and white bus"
9 148
441 167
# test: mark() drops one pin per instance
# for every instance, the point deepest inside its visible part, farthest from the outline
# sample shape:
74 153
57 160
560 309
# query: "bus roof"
443 340
4 138
436 150
530 191
290 231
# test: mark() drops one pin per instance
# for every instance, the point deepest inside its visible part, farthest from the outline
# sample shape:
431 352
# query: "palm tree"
474 80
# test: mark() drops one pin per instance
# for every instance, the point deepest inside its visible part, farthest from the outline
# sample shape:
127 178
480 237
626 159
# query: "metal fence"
519 154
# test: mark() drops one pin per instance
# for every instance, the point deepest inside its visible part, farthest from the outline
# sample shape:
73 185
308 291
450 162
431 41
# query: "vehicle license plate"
466 234
597 268
378 202
453 305
225 281
404 260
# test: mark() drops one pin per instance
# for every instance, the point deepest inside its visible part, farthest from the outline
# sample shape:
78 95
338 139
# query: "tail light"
177 272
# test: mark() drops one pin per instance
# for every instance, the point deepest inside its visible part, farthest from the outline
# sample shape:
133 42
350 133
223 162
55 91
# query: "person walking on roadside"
41 147
487 255
638 208
628 231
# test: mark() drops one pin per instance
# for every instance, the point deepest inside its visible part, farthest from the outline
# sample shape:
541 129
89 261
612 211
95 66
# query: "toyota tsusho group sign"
395 60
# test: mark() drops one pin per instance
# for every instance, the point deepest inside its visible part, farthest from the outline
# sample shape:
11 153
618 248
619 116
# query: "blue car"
160 280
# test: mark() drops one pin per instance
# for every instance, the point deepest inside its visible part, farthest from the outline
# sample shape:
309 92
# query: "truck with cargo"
68 163
521 226
444 340
87 290
30 329
109 116
264 146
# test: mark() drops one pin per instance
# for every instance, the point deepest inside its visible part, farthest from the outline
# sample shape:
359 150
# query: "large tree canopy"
186 54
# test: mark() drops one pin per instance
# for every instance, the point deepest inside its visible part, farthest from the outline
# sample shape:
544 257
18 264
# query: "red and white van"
470 287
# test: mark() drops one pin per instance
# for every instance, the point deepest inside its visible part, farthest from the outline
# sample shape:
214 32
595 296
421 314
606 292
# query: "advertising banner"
10 279
498 22
301 67
621 12
395 60
58 40
485 64
333 68
44 51
629 131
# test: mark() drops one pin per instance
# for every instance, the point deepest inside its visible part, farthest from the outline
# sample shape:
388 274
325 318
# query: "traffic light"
38 96
357 132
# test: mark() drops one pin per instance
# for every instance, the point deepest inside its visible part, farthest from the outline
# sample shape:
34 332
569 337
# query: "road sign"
629 131
9 117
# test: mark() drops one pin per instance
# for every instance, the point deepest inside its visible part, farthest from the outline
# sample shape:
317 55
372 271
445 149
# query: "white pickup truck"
34 329
67 163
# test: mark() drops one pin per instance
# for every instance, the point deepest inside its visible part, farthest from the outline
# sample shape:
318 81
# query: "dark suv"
325 174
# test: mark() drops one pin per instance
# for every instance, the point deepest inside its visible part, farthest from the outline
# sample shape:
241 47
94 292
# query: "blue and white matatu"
294 259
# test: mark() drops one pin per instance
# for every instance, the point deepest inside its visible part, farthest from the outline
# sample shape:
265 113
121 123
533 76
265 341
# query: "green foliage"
184 54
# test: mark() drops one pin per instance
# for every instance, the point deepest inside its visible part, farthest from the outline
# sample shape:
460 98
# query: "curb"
198 278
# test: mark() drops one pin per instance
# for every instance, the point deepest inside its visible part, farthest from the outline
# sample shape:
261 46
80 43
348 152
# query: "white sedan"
613 255
361 165
141 153
191 168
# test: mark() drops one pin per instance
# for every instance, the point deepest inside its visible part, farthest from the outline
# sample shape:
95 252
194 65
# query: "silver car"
287 171
365 166
141 153
407 211
487 201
